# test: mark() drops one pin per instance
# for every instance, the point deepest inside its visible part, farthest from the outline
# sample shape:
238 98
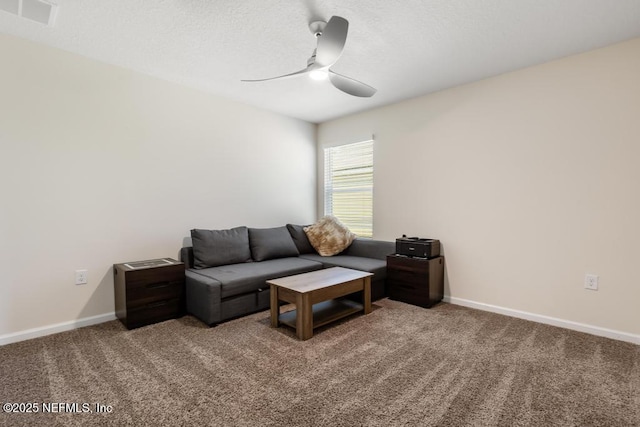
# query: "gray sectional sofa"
226 270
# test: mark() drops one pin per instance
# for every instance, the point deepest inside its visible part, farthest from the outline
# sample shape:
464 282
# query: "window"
348 186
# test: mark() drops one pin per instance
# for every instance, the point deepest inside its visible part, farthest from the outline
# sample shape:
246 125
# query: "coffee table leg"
367 295
304 317
275 307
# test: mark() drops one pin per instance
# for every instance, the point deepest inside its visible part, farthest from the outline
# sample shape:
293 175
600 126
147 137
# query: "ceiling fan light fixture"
319 74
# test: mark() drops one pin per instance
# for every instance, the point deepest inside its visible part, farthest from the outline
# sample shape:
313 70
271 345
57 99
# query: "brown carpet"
400 365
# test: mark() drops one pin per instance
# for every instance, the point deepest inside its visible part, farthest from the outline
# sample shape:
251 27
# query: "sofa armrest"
186 256
369 248
203 296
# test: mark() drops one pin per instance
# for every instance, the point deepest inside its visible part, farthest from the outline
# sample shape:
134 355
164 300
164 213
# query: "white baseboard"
54 329
580 327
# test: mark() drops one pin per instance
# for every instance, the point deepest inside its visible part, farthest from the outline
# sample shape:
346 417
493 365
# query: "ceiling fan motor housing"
317 27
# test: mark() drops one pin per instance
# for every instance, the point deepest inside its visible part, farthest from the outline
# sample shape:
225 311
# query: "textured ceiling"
404 48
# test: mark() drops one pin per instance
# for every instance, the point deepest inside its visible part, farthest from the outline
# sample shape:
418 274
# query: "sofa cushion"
371 265
370 248
219 247
329 236
300 239
238 279
270 243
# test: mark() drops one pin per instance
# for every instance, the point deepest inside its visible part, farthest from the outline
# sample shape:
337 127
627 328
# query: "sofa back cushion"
300 239
369 248
270 243
220 247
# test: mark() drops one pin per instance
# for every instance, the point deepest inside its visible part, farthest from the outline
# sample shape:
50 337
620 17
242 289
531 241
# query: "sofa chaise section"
364 255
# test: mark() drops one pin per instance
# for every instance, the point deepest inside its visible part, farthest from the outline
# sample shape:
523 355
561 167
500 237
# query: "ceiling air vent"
40 11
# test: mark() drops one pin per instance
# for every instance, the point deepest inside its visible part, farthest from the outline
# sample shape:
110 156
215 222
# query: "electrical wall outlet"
82 277
591 282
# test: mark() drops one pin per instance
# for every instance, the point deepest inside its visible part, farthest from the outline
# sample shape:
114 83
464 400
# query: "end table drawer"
411 265
141 278
401 286
150 292
155 312
410 277
401 292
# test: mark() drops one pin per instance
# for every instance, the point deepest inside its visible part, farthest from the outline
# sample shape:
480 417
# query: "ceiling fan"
331 37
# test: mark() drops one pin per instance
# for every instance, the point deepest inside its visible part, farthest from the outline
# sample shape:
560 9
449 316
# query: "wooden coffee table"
317 298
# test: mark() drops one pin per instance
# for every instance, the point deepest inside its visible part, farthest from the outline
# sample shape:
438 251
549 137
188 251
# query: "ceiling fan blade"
306 70
351 86
331 42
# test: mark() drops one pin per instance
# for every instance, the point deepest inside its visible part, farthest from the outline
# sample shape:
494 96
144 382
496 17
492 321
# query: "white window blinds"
348 186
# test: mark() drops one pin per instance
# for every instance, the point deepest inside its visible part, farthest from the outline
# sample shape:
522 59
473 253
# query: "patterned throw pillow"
329 236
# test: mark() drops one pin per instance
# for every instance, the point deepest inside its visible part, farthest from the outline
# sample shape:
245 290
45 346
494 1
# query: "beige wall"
529 179
100 165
